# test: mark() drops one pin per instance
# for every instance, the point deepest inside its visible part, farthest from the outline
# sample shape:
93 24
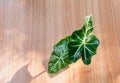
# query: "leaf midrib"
83 41
59 59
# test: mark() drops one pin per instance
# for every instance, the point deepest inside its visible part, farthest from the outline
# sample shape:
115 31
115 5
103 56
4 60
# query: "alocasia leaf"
59 57
83 42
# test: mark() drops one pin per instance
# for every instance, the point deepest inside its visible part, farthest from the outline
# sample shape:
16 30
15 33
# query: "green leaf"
83 43
59 58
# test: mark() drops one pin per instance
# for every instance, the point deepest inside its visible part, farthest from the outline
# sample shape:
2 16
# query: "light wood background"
30 28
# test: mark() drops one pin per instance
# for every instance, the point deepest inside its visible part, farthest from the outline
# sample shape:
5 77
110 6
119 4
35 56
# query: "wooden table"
30 28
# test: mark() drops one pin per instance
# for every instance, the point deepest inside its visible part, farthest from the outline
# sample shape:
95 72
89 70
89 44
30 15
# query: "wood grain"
30 28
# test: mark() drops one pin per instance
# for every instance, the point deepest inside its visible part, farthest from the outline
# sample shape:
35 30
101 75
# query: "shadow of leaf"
23 75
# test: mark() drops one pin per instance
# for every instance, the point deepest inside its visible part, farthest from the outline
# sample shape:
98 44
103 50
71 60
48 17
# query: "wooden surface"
30 28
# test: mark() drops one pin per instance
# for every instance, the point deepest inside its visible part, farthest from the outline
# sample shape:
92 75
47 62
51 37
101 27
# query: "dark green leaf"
83 43
59 58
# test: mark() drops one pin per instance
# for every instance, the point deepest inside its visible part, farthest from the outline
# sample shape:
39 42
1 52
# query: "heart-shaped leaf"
83 43
59 58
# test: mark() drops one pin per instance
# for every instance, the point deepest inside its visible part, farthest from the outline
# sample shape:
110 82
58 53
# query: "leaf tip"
87 62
